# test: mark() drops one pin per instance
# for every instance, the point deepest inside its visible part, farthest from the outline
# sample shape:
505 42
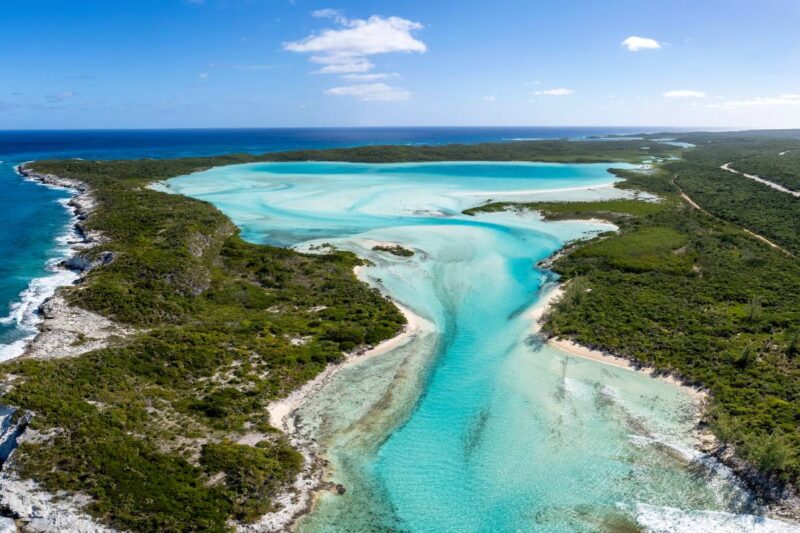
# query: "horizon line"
231 128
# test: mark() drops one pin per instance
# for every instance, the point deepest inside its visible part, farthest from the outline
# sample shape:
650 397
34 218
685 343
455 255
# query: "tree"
725 428
769 453
747 356
754 310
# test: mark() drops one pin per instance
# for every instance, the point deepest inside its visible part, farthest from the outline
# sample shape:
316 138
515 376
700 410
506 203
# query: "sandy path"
759 179
686 198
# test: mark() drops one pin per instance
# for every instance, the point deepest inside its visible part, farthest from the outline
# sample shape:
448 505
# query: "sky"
293 63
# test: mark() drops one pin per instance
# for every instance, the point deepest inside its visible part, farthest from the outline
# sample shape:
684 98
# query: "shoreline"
302 502
64 330
570 347
25 312
58 325
780 502
299 500
282 410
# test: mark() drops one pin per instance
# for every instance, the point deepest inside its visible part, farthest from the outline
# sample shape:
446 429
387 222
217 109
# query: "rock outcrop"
67 331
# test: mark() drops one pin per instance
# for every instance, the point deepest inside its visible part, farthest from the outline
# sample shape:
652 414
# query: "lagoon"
475 424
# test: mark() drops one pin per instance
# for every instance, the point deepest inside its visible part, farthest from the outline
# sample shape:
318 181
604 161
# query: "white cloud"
634 43
328 13
371 92
376 35
489 98
760 101
203 75
555 92
371 77
347 49
684 93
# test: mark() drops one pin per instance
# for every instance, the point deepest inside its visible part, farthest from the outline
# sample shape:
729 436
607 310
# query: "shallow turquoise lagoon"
474 424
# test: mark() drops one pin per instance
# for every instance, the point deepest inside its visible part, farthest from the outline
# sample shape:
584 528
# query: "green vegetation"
751 205
612 210
148 428
744 202
645 249
554 151
686 292
394 250
250 473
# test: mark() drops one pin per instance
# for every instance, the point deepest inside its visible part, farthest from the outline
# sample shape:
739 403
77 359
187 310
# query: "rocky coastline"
64 331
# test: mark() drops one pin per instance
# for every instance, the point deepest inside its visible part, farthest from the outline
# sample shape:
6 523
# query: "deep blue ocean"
34 220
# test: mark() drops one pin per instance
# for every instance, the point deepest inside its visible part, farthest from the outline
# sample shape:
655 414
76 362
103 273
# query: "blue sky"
265 63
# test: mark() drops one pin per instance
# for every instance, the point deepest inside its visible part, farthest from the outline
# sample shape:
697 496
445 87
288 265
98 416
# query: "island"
394 249
150 402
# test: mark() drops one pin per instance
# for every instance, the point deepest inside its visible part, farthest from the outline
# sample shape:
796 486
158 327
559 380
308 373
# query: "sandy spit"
280 410
299 499
570 347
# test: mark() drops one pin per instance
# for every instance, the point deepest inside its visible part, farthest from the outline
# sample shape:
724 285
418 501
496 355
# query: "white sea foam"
24 312
577 389
670 520
14 349
685 451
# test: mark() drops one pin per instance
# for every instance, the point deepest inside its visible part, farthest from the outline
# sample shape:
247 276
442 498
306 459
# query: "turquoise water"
474 424
35 229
